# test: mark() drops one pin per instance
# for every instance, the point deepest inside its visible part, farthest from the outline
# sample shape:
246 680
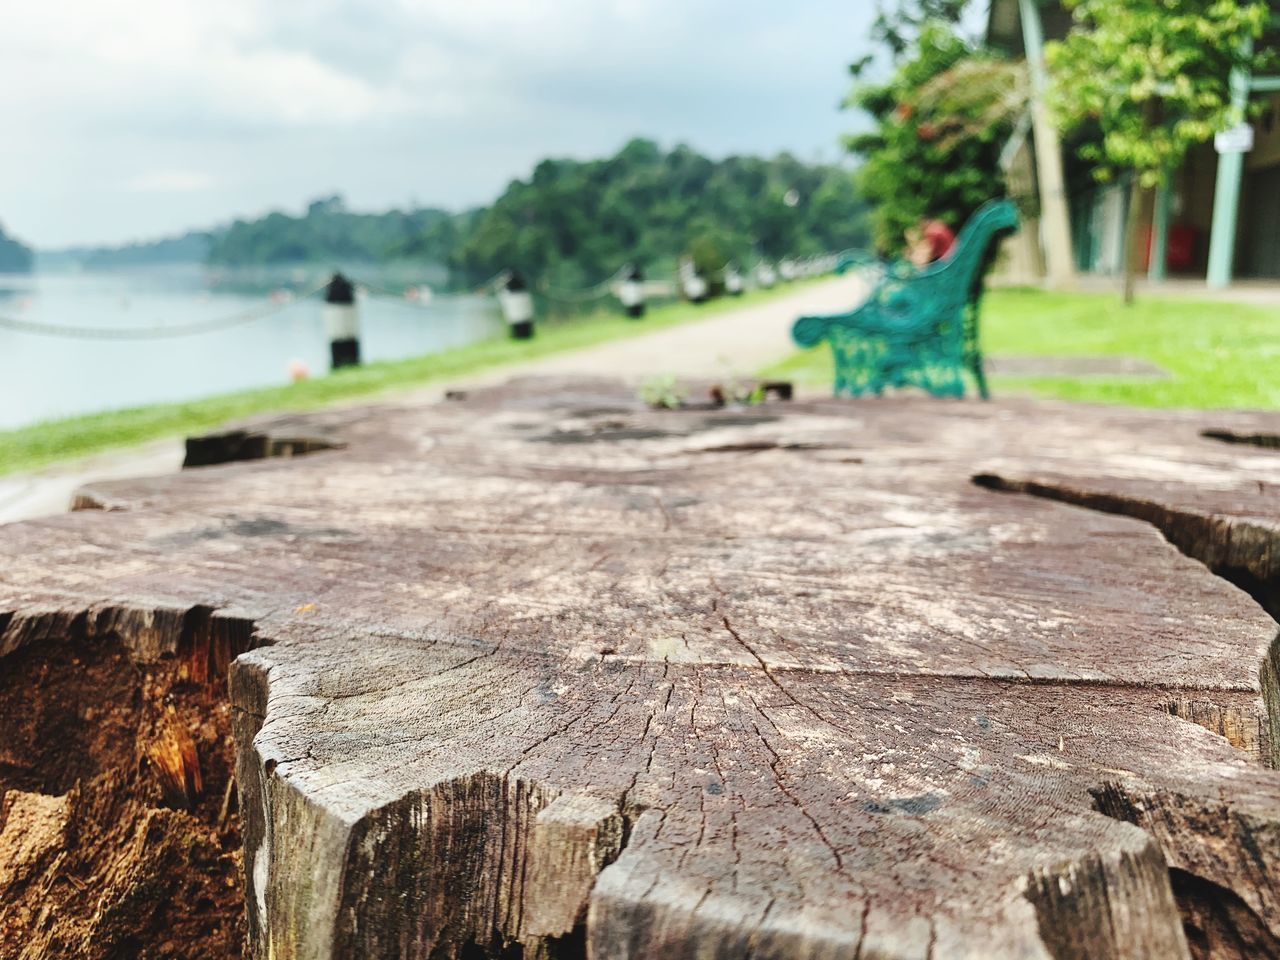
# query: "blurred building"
1220 218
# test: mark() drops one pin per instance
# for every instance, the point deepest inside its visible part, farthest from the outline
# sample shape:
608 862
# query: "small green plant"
737 391
663 392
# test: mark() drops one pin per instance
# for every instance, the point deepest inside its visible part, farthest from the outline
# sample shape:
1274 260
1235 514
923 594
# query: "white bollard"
631 291
341 323
733 283
516 303
695 288
692 286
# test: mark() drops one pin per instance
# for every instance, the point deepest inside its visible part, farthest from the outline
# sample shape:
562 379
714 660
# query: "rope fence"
260 312
599 291
152 333
584 294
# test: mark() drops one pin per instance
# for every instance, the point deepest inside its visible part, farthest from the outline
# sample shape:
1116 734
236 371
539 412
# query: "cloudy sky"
127 119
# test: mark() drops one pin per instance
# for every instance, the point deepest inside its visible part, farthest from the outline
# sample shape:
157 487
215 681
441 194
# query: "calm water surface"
43 377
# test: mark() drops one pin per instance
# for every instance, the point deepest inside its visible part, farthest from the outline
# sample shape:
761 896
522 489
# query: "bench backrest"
952 284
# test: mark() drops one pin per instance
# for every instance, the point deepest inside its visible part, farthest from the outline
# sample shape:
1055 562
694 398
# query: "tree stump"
543 673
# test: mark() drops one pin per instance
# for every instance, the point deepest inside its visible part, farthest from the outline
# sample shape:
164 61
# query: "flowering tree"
1153 76
935 147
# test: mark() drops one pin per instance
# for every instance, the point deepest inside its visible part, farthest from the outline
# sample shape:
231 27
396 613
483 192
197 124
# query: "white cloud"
443 100
207 60
170 181
290 88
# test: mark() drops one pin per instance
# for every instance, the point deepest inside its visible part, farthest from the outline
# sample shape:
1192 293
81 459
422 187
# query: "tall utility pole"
1054 224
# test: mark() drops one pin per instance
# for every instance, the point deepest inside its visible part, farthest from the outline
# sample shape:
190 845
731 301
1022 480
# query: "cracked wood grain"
611 695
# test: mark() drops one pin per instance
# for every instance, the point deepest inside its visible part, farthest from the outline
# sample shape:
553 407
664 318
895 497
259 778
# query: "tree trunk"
1054 216
1151 115
1132 238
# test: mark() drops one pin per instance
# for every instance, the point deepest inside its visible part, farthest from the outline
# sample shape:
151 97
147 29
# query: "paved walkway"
736 342
1259 293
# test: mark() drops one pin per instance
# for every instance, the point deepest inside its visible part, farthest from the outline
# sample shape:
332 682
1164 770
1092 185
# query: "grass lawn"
1217 354
52 440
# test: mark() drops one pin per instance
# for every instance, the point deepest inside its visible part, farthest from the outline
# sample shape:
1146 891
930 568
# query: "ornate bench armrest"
858 260
812 330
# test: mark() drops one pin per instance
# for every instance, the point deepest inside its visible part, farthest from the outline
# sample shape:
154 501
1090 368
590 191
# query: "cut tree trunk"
542 672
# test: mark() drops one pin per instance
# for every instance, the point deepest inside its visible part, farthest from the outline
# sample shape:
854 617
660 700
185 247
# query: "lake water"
43 377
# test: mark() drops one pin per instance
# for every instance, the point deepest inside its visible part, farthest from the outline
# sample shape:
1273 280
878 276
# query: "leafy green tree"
190 247
711 248
573 223
329 233
897 25
934 151
1153 78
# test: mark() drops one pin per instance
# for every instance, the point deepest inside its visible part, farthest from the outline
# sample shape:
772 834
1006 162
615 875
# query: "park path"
732 342
737 342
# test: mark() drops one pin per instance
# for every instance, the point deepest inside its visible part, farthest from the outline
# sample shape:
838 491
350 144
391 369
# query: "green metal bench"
918 328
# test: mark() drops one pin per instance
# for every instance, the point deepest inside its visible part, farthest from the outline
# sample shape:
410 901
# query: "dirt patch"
118 831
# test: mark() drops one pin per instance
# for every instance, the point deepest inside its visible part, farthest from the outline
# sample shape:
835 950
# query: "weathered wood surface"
542 670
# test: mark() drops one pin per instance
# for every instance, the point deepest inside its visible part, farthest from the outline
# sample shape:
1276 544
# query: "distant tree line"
15 257
190 247
330 233
573 223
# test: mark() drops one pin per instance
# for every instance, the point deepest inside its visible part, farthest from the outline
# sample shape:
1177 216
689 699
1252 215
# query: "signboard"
1237 139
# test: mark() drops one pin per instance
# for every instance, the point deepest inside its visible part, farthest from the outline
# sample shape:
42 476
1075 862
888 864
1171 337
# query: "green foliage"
934 152
15 257
192 247
572 223
977 95
662 392
329 233
711 248
1152 75
897 26
740 391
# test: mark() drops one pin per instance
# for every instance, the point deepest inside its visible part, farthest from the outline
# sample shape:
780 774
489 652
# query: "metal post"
1053 198
1156 268
1226 195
